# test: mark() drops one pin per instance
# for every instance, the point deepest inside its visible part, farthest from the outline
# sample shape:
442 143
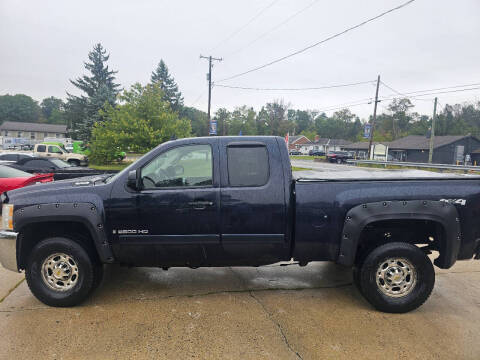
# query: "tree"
53 110
19 107
99 88
400 119
272 119
223 119
142 121
198 120
162 77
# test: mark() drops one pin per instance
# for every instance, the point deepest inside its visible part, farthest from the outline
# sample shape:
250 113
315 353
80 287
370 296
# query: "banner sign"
367 131
213 127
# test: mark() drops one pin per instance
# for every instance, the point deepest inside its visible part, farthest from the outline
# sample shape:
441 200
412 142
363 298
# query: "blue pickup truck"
231 201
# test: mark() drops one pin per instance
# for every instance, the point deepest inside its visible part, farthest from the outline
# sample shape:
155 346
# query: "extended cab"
221 201
57 151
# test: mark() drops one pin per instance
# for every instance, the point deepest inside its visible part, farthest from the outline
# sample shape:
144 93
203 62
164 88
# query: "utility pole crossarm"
210 59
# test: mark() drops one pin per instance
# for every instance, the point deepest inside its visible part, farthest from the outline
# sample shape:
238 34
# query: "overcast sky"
428 44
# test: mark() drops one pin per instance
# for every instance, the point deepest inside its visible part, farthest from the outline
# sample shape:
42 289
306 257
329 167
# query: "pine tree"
162 77
99 87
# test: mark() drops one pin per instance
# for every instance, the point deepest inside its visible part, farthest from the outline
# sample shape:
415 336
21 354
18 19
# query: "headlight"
7 217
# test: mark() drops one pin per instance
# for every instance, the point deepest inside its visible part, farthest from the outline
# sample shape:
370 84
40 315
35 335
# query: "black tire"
339 161
74 162
88 272
415 295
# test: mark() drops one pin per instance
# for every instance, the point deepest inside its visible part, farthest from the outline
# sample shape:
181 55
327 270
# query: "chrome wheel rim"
396 277
60 272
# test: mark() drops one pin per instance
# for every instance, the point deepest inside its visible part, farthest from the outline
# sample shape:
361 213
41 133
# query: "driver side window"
182 166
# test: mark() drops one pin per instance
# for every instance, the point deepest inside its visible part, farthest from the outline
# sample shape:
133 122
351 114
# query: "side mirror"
133 180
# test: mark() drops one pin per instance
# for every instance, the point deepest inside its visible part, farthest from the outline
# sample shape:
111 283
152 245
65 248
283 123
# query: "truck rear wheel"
60 272
396 277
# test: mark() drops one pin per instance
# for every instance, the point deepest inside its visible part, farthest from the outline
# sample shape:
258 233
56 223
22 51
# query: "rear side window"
41 148
38 164
8 172
9 157
247 165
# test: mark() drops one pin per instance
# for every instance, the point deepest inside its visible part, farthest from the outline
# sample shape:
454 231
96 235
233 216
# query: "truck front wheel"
396 277
60 272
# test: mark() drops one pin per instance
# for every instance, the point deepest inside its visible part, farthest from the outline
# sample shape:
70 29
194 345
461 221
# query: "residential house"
449 149
32 131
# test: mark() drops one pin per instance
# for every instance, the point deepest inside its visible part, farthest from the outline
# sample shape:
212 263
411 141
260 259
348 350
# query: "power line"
294 89
197 99
368 100
349 104
428 90
319 42
287 20
402 94
438 92
241 28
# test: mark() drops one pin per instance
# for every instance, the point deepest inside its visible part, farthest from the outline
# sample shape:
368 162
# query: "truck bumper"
8 250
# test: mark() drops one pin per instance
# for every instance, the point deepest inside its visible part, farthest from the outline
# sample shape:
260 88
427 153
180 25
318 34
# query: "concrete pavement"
271 312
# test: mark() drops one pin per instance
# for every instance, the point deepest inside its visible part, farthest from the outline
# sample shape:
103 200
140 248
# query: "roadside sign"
367 131
213 127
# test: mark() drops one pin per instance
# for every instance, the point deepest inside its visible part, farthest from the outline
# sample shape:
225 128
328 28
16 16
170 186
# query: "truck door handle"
200 205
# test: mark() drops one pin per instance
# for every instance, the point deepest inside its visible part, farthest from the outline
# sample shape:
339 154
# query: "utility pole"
432 132
374 118
213 129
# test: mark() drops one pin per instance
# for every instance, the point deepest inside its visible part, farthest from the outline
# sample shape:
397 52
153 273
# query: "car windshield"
60 163
8 172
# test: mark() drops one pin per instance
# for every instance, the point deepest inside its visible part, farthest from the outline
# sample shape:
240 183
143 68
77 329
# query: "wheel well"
428 234
32 234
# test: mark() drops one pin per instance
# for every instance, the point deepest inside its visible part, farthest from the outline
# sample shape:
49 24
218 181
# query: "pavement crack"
277 324
11 290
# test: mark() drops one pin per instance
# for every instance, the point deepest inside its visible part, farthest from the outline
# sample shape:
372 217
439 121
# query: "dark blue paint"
243 225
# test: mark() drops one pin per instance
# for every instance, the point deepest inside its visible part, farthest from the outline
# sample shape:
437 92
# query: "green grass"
111 167
296 168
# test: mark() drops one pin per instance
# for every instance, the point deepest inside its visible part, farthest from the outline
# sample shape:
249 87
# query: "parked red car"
11 178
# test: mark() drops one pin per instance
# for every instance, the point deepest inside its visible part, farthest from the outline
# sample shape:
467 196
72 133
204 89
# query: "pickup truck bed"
224 201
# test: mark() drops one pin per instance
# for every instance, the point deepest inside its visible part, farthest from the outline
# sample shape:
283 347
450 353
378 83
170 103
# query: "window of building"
45 134
19 134
5 132
247 165
32 135
57 135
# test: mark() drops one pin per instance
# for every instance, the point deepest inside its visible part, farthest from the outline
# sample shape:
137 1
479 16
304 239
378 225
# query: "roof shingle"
25 126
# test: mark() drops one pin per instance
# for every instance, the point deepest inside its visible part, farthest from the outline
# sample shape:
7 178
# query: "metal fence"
465 168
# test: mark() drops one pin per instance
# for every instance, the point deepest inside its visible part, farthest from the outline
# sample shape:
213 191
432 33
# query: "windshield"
60 163
8 172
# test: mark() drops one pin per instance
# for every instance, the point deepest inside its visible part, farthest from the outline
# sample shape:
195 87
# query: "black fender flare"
85 213
439 211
